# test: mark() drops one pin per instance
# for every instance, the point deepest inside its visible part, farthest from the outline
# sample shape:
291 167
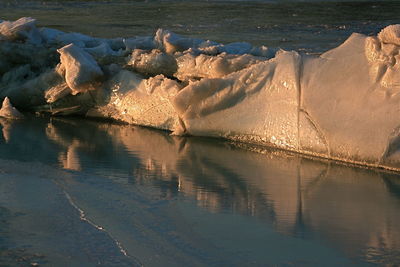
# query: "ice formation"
8 111
342 105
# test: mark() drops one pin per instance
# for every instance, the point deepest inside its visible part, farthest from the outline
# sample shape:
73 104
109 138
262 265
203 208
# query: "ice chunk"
262 51
204 66
153 63
116 44
359 114
171 42
50 35
141 101
145 43
238 48
258 104
101 50
373 49
21 29
28 93
8 111
81 71
390 34
384 60
77 39
391 78
57 92
57 37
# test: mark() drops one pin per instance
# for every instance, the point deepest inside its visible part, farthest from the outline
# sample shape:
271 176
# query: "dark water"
310 26
85 193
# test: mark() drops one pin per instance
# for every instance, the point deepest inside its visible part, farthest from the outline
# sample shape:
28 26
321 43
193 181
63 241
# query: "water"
76 192
82 193
310 26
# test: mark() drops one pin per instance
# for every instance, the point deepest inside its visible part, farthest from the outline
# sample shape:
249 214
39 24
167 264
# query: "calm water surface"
310 26
83 193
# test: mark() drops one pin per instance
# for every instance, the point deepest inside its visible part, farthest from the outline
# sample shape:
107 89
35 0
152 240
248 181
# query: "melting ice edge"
343 104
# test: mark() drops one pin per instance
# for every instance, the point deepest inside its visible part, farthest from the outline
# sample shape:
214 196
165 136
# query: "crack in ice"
82 217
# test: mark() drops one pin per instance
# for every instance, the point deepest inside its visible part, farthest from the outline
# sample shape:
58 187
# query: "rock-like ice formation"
8 111
79 68
22 29
343 104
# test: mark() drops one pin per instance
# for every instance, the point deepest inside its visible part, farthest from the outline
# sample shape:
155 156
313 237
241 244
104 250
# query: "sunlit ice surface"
79 192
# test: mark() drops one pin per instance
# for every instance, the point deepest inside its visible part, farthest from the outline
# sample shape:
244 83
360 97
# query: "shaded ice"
21 29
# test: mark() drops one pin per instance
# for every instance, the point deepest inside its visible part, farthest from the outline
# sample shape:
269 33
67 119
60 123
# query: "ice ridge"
342 105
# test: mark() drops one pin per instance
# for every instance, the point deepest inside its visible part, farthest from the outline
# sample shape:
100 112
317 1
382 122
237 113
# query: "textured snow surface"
343 104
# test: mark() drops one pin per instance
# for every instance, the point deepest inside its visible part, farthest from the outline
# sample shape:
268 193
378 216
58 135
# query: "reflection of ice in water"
68 159
6 125
352 210
298 196
7 114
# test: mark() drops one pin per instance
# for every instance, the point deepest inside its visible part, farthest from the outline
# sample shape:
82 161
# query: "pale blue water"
75 192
